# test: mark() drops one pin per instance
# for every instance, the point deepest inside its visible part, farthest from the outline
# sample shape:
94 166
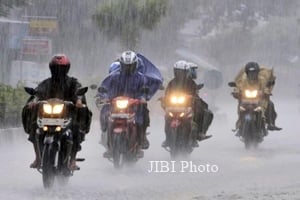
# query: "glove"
143 100
79 104
31 105
236 95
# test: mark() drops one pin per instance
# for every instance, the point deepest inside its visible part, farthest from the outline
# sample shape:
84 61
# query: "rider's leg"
271 116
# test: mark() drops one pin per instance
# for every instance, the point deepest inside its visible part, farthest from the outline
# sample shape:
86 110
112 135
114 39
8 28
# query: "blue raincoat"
148 69
117 83
120 84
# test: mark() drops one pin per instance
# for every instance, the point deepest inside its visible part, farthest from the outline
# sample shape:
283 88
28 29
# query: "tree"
125 19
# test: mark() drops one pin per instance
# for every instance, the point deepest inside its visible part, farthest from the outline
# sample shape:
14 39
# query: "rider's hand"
79 104
236 95
267 92
143 100
31 105
104 100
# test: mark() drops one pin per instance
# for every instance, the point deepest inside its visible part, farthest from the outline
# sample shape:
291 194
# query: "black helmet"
128 62
59 66
252 70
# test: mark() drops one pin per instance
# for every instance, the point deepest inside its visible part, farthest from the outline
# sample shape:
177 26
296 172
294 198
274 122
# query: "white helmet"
128 62
192 70
181 69
128 57
181 64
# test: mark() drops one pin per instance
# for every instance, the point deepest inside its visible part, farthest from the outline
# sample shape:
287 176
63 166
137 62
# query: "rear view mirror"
30 91
232 84
82 91
102 90
93 86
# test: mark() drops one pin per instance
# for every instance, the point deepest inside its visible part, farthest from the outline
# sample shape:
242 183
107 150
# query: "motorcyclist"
127 81
61 86
184 73
263 79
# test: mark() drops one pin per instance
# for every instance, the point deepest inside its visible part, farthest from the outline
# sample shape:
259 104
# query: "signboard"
36 46
42 26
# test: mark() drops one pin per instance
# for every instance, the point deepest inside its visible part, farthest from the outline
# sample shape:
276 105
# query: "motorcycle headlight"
121 104
177 99
47 108
251 93
55 109
181 114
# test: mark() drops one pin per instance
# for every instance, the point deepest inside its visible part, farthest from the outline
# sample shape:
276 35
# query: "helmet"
252 70
128 62
59 66
192 70
181 69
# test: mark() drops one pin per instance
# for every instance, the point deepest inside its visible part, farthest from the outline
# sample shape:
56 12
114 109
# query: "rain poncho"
121 84
265 83
118 83
148 69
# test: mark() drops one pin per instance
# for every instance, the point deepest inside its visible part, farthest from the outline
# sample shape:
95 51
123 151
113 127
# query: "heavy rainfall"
220 37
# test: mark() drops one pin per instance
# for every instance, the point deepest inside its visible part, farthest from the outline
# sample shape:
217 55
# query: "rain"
219 36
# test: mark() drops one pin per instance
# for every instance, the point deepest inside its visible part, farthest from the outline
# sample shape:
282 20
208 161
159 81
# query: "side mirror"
93 86
102 90
232 84
30 91
82 91
200 86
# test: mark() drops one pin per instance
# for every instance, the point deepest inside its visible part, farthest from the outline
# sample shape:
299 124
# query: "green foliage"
6 5
12 101
125 19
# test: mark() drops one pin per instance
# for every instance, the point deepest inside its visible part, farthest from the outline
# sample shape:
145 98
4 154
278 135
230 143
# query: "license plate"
52 122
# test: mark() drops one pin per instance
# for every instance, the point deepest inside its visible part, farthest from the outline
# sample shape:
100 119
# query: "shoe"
164 144
107 154
72 165
35 164
272 127
195 143
202 136
145 144
140 154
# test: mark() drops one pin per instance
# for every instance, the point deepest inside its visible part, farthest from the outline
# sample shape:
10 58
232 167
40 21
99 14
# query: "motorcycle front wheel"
118 155
48 171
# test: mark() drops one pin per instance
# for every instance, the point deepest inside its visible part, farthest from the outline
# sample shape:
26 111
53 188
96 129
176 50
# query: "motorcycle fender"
248 117
118 130
175 123
48 139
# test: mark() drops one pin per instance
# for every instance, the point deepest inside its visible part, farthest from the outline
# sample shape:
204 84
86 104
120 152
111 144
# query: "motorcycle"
122 131
54 137
252 127
179 119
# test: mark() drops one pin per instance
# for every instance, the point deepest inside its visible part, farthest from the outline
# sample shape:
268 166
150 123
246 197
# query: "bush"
12 101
